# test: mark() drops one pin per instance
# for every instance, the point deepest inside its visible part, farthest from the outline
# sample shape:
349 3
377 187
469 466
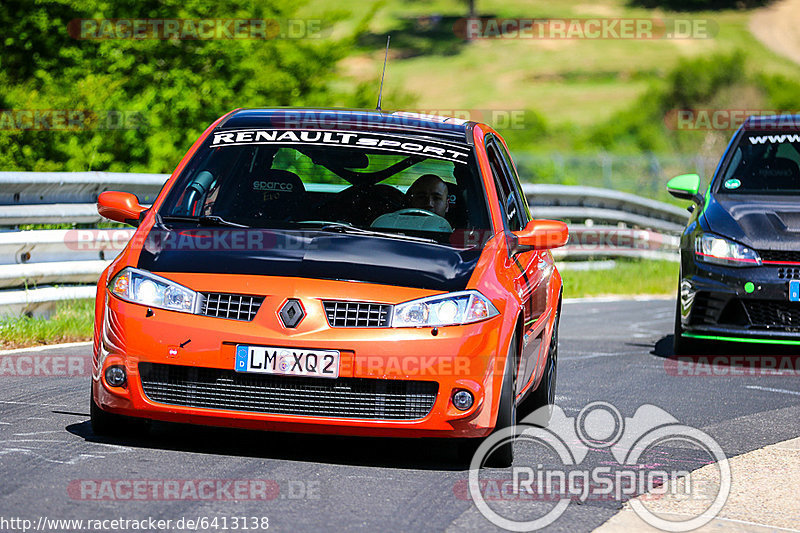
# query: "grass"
579 81
627 277
71 322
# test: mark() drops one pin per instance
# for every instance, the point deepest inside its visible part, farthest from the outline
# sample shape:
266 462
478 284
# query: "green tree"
168 91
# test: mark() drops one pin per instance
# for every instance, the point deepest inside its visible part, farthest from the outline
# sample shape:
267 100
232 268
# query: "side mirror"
541 235
686 187
120 206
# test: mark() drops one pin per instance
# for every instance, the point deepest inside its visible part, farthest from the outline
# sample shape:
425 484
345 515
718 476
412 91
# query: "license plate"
287 361
794 290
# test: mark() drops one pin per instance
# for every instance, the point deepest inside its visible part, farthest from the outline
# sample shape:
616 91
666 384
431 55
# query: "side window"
515 185
509 204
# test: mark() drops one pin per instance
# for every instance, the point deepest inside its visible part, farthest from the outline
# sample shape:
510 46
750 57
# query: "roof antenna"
380 92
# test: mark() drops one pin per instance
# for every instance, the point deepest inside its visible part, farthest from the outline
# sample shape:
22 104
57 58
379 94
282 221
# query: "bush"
694 83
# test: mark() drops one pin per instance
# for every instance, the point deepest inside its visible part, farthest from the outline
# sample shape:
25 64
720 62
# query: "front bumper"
197 353
751 302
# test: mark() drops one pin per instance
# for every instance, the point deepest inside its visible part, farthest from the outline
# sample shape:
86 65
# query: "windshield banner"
370 141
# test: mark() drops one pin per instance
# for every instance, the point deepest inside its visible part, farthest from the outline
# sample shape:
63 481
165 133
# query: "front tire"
107 424
503 455
682 345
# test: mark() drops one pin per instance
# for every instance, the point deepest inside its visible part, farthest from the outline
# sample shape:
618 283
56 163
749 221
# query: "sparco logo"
272 186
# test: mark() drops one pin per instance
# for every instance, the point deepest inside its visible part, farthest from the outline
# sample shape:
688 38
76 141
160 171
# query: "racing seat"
276 195
456 212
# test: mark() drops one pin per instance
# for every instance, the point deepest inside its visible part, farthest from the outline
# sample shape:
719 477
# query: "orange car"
331 271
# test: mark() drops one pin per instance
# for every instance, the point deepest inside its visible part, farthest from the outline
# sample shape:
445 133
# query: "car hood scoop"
309 254
760 222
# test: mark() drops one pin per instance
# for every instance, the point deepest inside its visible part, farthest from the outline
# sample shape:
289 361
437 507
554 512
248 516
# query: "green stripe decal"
742 339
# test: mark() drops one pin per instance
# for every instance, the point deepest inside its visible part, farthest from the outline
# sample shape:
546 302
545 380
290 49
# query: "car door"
531 270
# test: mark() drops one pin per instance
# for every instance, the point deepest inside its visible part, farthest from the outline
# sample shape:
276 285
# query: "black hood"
758 221
308 254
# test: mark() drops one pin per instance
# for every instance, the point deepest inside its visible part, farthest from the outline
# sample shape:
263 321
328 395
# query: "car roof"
771 122
350 119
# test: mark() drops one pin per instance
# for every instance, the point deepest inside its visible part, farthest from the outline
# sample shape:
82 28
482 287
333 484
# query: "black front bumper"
714 300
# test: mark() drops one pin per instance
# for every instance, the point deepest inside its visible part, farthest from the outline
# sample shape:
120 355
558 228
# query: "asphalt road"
53 467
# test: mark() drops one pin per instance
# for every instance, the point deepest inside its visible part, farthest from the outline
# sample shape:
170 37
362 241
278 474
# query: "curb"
763 497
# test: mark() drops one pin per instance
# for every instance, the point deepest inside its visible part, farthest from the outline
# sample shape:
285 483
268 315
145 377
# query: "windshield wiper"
204 220
213 220
346 228
174 218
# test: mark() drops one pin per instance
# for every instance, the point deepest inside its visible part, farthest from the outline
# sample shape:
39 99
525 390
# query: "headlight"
138 286
444 310
713 249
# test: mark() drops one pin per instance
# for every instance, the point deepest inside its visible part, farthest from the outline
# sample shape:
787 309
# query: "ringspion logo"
636 453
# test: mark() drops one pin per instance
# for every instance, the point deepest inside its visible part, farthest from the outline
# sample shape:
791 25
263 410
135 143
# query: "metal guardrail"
61 245
25 188
42 300
603 224
577 196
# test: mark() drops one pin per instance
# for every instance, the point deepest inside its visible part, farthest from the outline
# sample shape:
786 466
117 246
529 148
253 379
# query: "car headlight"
138 286
444 310
713 249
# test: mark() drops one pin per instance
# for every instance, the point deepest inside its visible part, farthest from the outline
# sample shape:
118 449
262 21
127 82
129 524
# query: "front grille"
770 314
788 273
779 255
379 399
233 306
356 314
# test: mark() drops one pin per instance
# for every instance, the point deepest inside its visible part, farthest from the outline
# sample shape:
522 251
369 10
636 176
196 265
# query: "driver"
428 192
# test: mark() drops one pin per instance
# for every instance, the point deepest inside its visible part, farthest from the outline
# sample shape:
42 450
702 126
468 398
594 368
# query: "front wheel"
110 424
682 345
503 455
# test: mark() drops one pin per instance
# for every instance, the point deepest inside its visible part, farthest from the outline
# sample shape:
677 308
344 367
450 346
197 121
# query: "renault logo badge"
291 313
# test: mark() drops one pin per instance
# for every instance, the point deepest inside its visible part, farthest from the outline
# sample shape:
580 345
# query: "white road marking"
44 449
595 355
770 389
47 347
34 404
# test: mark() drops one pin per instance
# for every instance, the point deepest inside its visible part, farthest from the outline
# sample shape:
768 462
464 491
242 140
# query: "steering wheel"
416 211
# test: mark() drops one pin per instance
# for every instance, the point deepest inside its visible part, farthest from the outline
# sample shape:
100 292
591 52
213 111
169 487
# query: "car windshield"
332 181
763 163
